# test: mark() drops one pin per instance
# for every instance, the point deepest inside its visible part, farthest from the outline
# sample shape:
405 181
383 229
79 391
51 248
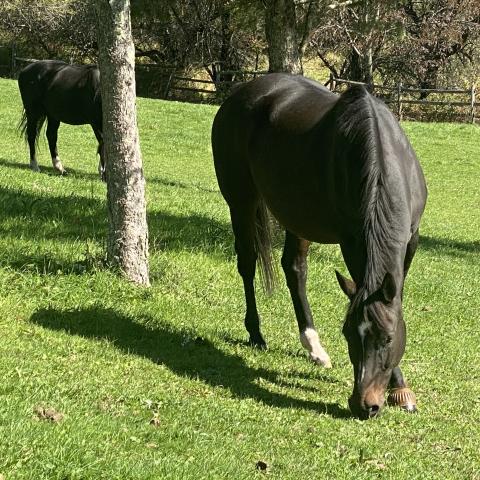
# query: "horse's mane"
357 124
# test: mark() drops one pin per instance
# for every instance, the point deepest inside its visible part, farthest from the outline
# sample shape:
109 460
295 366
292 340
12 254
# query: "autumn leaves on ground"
101 379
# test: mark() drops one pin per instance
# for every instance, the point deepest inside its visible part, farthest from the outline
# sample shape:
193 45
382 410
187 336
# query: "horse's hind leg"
52 135
294 263
32 126
243 224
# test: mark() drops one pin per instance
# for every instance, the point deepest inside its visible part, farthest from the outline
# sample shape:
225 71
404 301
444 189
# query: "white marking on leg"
309 339
57 165
101 171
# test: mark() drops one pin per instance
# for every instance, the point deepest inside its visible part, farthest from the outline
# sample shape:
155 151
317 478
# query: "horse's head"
375 333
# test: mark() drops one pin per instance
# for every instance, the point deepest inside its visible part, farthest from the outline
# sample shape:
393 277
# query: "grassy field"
103 380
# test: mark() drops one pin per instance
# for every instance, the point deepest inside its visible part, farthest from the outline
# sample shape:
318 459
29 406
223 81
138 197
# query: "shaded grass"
112 357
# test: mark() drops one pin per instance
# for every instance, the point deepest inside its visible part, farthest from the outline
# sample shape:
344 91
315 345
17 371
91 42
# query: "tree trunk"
281 33
128 231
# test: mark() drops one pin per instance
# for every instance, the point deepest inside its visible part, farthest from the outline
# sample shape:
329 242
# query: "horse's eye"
388 340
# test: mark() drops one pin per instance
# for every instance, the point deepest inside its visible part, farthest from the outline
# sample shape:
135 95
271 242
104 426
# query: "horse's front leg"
294 263
400 394
101 163
100 152
52 135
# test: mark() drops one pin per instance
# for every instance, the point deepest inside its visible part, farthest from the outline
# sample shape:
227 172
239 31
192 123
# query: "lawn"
104 380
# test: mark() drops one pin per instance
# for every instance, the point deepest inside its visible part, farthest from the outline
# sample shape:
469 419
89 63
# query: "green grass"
111 357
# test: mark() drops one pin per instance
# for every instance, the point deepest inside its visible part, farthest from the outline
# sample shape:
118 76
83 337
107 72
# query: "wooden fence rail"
398 99
395 96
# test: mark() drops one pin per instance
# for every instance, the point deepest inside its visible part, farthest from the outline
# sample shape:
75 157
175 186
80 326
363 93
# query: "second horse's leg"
32 126
101 152
294 263
52 130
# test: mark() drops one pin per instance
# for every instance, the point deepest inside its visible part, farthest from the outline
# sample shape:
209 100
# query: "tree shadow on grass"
178 184
187 356
76 218
50 171
190 232
448 246
51 264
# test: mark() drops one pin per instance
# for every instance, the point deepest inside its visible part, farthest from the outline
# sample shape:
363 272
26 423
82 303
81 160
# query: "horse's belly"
311 222
69 109
302 207
293 173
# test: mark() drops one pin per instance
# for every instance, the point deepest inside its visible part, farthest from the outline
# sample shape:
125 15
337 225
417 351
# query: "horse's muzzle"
366 406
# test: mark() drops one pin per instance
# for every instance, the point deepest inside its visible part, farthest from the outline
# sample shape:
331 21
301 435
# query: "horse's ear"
348 286
388 290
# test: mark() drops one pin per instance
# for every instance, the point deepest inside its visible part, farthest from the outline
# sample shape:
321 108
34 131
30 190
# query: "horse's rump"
312 154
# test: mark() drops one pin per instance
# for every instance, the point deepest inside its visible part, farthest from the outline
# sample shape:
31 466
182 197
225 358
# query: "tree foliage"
50 29
401 40
424 43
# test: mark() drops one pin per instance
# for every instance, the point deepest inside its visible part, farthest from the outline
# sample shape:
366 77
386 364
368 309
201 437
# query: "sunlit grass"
159 384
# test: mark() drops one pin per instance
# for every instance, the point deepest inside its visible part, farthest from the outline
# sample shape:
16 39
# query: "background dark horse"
59 92
331 169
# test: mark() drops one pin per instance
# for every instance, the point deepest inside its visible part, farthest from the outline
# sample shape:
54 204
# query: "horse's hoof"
404 398
258 343
34 168
321 360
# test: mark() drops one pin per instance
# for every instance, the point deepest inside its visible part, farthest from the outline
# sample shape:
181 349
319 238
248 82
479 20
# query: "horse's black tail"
263 247
22 126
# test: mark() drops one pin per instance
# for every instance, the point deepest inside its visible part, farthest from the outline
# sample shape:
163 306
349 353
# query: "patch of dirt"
47 413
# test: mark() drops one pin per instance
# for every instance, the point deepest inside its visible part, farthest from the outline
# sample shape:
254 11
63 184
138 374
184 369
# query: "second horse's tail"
22 125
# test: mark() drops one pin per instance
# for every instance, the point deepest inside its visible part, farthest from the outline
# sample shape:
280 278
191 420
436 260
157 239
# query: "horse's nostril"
373 411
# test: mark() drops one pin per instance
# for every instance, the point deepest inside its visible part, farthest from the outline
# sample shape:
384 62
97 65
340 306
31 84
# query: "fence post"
332 82
472 104
399 101
167 89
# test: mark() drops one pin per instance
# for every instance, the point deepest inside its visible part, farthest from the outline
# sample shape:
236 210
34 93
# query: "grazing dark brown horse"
59 92
331 169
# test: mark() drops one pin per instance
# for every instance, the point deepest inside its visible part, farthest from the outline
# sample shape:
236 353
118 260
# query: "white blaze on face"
309 339
363 328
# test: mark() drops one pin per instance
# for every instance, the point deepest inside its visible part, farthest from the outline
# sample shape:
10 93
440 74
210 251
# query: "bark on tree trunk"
281 33
128 231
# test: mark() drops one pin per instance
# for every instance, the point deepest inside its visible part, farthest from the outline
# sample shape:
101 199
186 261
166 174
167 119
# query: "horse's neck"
382 259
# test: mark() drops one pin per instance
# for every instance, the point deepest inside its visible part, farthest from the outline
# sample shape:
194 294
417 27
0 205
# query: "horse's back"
39 69
68 93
